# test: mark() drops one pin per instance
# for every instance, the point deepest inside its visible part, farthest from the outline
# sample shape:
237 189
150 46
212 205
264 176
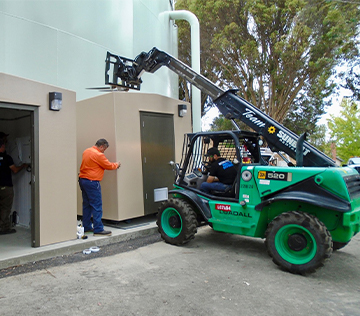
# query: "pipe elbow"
183 15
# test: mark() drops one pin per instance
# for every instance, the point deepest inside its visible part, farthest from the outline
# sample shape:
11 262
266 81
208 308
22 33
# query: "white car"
354 163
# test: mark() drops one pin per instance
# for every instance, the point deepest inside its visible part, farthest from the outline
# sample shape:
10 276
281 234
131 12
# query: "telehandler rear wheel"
176 221
298 242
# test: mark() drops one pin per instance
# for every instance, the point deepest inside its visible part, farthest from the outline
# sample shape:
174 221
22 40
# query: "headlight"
246 175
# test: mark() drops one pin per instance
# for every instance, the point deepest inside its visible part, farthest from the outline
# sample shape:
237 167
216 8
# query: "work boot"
103 233
9 231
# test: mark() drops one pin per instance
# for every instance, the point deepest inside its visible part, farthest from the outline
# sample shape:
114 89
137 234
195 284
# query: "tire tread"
188 219
308 221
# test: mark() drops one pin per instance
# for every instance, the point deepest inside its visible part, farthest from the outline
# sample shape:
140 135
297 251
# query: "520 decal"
274 175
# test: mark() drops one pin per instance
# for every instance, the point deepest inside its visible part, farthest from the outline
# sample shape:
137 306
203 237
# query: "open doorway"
18 121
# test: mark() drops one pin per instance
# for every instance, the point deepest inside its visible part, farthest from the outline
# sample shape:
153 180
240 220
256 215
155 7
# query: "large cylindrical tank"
64 43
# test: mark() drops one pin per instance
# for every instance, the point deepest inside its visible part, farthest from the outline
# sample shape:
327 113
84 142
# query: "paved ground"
215 274
106 250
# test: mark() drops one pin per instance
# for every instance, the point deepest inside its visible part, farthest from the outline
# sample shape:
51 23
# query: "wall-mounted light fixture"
55 101
182 110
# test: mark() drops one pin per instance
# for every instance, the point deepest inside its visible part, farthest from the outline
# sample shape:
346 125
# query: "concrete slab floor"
15 249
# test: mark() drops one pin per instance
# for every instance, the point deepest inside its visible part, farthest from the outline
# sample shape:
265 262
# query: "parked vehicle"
354 162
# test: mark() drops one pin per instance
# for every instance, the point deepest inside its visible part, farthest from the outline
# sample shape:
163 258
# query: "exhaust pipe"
300 150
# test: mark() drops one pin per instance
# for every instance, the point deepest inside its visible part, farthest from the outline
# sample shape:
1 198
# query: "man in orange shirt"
92 169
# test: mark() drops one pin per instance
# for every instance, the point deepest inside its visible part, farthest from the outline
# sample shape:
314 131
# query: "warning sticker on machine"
223 207
266 182
274 175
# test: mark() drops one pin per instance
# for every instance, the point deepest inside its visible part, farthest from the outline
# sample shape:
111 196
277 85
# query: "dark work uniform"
225 171
6 191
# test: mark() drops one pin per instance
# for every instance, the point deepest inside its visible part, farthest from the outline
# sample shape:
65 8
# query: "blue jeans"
92 204
214 186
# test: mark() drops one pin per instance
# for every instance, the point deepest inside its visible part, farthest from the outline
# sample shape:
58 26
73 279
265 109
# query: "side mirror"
175 167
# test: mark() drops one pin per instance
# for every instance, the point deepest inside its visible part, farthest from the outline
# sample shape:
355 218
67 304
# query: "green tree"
351 78
304 113
318 139
344 130
280 54
220 123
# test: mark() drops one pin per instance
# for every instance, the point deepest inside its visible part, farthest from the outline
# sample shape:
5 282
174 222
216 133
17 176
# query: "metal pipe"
195 60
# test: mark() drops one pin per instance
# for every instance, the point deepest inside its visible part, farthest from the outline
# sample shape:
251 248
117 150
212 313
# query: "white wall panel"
29 50
64 43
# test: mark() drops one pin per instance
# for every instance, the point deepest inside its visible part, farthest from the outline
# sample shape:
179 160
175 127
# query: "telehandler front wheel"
176 221
298 242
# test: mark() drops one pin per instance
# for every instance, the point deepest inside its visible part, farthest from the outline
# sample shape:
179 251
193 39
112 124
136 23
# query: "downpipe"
195 59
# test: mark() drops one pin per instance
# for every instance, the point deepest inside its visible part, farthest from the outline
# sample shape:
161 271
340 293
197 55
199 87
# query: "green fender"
201 204
325 200
308 192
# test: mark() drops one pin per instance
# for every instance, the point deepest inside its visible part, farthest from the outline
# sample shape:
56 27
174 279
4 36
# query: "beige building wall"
55 157
116 117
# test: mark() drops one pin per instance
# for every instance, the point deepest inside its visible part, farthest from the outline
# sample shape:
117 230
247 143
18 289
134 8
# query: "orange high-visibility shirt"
94 163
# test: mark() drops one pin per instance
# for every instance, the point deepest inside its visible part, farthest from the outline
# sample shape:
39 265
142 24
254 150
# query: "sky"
208 118
335 108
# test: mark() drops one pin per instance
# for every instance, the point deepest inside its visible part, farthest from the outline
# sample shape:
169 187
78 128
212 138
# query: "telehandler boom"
127 74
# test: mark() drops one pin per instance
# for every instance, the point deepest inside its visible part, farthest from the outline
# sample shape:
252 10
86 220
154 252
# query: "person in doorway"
7 166
3 137
91 173
272 162
222 173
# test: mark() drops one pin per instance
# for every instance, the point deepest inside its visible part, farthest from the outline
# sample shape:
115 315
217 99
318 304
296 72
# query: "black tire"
176 221
298 242
339 245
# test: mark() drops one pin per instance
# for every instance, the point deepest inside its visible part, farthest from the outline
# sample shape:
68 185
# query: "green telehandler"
304 211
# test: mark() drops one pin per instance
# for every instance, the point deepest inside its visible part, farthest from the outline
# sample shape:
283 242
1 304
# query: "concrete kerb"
57 250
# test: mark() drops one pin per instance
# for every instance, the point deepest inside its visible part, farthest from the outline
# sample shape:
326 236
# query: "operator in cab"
222 173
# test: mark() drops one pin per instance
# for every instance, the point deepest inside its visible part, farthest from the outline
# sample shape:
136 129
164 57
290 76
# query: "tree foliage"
318 139
280 54
220 123
351 78
344 130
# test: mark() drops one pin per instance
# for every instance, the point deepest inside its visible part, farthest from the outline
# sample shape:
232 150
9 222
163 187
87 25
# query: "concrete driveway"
215 274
